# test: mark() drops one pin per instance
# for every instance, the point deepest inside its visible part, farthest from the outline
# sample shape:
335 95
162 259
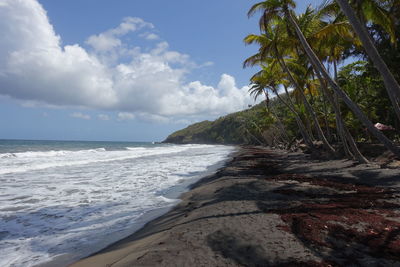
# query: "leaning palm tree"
258 89
270 79
392 86
291 64
269 42
331 37
275 9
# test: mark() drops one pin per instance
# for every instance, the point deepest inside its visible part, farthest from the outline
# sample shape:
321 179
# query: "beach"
273 208
199 133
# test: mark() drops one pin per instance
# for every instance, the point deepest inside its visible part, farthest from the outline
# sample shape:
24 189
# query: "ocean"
63 200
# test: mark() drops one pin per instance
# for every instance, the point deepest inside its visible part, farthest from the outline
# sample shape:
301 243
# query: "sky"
121 70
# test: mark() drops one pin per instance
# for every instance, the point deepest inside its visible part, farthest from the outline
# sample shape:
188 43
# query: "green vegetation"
244 127
299 54
309 100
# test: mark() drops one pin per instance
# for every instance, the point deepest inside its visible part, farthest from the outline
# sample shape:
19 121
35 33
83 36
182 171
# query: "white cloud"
206 64
153 118
103 117
109 40
150 36
80 115
124 116
103 42
112 75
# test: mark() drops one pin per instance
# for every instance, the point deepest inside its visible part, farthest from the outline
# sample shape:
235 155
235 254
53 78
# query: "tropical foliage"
244 127
298 57
309 99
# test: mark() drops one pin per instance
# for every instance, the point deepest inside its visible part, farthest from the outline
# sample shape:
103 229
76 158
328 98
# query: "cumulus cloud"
80 115
110 39
147 82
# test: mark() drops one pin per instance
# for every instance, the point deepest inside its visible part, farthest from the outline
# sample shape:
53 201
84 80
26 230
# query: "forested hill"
244 127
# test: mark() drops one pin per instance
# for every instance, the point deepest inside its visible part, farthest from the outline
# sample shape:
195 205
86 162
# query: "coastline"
272 208
172 196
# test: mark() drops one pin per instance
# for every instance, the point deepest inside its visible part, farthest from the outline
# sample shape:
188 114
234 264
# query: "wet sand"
273 208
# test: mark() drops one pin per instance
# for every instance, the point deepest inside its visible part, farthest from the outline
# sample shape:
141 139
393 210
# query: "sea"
64 200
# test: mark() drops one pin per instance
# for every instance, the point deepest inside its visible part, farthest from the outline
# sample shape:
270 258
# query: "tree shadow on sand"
242 251
344 222
356 226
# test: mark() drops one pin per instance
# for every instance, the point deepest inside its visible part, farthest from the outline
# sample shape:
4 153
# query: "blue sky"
120 70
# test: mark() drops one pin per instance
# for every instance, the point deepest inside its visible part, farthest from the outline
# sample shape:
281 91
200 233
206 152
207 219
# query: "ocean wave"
77 210
49 153
167 200
7 155
38 160
135 148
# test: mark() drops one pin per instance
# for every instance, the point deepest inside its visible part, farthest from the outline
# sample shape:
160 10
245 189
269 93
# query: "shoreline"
172 193
272 208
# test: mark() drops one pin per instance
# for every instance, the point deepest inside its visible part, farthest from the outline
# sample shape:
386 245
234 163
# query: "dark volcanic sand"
272 208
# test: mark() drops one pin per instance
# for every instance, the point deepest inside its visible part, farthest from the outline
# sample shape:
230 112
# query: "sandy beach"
273 208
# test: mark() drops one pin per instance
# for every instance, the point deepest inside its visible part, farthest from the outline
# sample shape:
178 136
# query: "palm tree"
269 42
332 38
257 89
270 78
392 86
273 9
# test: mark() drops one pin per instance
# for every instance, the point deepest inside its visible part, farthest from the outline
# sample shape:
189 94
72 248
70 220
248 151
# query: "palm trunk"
339 122
353 106
343 132
335 70
280 123
299 122
342 128
307 122
341 125
392 86
308 106
328 131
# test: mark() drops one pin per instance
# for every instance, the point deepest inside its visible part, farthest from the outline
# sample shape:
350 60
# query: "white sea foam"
55 203
168 200
29 161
